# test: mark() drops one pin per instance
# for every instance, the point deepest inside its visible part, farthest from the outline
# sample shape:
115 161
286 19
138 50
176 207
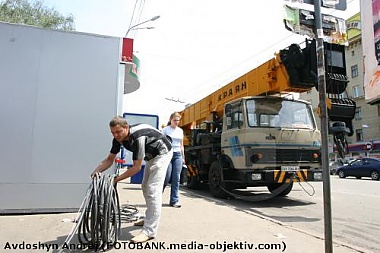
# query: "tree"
34 13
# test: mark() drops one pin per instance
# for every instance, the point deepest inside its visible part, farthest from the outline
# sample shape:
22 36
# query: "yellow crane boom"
268 78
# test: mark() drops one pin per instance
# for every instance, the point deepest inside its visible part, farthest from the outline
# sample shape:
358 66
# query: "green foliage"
34 13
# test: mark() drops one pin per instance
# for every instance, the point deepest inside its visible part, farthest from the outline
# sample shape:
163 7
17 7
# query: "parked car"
334 165
362 167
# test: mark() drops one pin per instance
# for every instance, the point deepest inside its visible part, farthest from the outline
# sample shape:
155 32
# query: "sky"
196 46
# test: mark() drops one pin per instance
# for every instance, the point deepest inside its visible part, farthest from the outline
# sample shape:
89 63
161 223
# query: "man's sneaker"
139 223
140 238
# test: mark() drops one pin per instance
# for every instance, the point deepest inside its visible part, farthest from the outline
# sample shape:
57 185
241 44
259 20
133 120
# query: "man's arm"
104 165
130 171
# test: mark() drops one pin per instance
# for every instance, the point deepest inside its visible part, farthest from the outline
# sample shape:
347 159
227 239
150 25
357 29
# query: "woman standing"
175 166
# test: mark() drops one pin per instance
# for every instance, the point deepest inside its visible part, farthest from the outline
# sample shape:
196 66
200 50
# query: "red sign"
127 51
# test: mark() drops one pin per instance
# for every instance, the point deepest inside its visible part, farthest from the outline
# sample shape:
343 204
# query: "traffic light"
301 65
335 68
341 108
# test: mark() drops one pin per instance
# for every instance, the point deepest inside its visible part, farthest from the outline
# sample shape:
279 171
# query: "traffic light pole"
324 126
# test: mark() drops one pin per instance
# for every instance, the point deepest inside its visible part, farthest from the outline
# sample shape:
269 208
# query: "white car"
348 160
334 165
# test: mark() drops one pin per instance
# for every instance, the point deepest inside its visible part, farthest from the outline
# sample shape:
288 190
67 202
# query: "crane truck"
254 132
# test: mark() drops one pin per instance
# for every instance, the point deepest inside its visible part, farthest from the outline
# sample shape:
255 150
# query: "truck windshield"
277 112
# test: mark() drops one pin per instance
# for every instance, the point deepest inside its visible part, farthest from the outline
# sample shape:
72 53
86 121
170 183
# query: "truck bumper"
263 177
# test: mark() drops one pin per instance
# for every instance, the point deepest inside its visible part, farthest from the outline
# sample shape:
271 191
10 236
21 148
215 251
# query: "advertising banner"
370 20
132 75
301 22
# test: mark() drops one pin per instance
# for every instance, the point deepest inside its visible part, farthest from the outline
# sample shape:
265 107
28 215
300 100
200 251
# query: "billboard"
335 4
302 21
370 19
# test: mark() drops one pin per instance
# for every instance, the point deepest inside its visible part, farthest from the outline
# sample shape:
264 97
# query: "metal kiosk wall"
59 91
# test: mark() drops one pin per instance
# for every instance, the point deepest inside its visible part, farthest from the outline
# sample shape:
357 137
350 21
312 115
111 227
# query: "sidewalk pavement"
200 225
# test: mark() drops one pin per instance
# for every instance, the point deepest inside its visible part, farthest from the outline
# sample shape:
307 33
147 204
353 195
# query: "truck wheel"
274 187
215 181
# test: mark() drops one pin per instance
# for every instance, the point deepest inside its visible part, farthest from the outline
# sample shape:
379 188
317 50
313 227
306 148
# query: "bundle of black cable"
99 222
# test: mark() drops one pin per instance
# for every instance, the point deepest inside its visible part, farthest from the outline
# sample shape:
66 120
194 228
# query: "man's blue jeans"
173 175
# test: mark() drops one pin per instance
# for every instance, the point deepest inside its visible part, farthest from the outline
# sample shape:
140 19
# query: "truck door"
231 142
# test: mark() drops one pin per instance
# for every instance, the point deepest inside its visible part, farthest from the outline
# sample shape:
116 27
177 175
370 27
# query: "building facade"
365 140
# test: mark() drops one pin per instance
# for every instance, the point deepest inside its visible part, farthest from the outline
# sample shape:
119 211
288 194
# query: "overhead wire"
132 16
137 12
141 9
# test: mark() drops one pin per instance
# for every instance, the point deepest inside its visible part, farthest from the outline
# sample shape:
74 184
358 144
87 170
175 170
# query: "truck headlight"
318 176
256 176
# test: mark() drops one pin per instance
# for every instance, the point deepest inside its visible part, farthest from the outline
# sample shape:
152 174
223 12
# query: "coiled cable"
129 213
98 222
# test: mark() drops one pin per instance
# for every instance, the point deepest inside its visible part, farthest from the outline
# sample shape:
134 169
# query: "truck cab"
270 133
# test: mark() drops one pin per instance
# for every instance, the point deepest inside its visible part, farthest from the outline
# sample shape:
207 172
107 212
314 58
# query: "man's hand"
115 180
96 173
104 165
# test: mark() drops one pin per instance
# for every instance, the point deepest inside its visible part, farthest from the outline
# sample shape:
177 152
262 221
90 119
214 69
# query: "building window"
359 134
354 71
358 113
353 53
356 91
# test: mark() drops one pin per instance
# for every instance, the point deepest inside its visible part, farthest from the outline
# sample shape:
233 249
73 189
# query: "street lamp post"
134 26
146 27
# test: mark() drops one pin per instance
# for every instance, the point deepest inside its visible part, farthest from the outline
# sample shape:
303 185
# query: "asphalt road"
355 205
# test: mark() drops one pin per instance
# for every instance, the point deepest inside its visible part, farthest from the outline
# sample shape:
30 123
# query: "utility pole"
324 126
336 80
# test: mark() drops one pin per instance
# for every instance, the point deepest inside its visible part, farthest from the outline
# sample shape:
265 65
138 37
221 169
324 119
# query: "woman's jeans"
173 175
